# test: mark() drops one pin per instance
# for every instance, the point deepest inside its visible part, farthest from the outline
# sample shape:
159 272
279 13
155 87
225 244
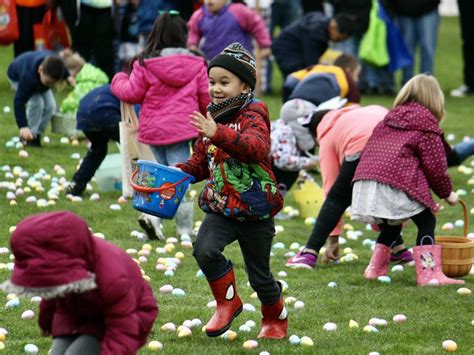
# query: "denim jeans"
39 110
255 240
171 154
96 154
75 345
423 32
461 152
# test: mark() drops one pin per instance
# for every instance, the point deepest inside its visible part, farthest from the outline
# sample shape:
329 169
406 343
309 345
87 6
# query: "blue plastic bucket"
158 189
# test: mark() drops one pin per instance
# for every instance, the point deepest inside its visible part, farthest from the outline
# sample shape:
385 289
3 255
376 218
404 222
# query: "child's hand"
332 249
264 52
204 125
25 133
452 199
71 80
312 164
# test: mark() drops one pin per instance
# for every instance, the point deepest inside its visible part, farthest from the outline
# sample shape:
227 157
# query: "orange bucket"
457 253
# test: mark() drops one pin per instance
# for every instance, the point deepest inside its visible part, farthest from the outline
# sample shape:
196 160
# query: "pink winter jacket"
169 88
341 133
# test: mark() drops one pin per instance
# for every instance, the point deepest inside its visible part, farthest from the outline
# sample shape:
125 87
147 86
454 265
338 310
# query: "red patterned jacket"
237 165
407 151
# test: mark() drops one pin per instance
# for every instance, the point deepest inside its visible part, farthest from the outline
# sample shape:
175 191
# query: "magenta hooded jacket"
169 88
407 151
88 285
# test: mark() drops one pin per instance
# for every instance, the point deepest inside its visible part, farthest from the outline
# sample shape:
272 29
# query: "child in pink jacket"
170 82
218 24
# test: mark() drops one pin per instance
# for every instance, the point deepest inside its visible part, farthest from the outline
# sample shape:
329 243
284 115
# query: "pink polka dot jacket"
407 151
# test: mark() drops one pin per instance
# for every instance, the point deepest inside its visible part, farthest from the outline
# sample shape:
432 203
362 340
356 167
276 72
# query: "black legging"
425 221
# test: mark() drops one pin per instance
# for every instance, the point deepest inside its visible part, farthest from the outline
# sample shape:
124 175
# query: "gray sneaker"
462 91
151 226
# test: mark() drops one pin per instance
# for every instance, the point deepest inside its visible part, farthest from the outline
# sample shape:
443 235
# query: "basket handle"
466 216
149 190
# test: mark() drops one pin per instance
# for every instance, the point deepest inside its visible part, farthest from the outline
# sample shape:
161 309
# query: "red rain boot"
428 267
275 321
378 265
229 304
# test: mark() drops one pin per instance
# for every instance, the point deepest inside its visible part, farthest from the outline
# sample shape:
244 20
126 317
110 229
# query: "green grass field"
434 314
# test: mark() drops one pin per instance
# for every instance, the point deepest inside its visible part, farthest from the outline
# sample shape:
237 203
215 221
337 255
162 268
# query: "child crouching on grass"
94 298
240 196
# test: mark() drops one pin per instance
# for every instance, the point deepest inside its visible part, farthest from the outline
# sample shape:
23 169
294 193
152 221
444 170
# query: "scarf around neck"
225 110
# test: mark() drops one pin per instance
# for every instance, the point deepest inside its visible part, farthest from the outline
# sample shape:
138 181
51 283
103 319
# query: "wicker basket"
457 253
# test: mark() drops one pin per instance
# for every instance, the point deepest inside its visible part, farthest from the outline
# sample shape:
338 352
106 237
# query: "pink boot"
428 267
378 265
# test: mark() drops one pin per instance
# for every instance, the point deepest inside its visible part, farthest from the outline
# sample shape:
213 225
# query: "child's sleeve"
131 89
434 164
122 331
194 33
250 21
196 166
251 144
46 313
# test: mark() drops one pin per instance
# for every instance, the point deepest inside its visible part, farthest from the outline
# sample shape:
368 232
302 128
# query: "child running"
404 158
94 298
170 82
240 195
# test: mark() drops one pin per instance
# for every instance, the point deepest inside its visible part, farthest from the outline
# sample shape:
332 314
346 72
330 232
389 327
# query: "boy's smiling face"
214 5
223 85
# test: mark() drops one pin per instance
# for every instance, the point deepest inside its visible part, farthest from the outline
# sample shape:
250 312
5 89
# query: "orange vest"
30 3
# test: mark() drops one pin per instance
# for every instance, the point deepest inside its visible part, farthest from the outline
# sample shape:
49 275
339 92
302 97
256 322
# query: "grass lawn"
434 314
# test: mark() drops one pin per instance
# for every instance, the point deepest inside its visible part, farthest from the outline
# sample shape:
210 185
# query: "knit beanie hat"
236 59
290 112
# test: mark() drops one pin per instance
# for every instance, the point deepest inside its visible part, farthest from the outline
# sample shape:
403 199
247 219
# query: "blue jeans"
423 32
462 151
39 110
171 154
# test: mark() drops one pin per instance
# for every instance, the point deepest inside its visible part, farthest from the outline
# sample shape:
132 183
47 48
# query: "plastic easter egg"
463 291
244 328
330 327
211 304
298 305
263 353
374 353
294 246
155 346
95 197
290 300
28 314
184 332
168 327
2 344
23 154
309 221
115 207
31 349
278 245
397 268
370 329
177 292
250 344
166 289
284 285
377 322
450 346
294 340
399 318
282 274
306 341
332 284
279 229
229 335
384 279
248 307
353 324
179 255
13 303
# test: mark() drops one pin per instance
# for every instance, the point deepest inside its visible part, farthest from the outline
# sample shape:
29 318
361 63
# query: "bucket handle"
149 190
466 216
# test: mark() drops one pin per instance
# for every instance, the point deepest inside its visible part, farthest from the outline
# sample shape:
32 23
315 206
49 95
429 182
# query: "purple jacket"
169 88
233 23
407 151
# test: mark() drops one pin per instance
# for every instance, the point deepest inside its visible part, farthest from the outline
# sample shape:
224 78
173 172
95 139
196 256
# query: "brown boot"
228 301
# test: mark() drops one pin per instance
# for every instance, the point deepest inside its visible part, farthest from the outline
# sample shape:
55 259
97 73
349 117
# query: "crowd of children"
198 89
